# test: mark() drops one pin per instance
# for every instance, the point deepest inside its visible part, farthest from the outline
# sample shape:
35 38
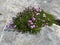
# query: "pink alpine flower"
29 21
9 26
14 26
37 13
33 18
33 26
37 9
12 21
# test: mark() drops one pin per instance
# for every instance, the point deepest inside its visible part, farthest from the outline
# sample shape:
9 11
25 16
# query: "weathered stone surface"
47 36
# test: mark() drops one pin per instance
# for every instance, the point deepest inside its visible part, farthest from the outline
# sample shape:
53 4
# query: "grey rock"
47 36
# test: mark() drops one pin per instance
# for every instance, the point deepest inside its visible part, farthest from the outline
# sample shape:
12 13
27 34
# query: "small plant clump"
31 20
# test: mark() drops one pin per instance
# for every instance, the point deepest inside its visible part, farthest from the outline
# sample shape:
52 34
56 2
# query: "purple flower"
12 21
37 13
29 21
33 18
9 26
33 26
37 9
14 26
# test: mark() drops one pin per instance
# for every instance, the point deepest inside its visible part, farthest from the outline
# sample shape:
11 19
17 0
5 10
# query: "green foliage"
22 18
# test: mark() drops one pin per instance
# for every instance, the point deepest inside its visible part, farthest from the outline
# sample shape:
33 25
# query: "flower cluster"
31 20
37 10
10 24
